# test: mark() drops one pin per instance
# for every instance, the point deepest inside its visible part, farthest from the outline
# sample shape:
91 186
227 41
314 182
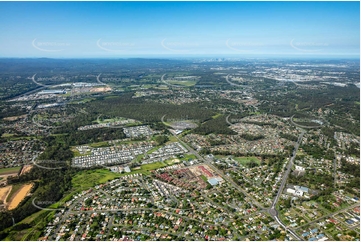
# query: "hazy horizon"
85 30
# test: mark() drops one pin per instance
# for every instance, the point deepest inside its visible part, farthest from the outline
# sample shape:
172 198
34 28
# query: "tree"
161 139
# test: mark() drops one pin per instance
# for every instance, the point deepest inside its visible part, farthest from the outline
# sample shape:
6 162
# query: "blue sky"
126 29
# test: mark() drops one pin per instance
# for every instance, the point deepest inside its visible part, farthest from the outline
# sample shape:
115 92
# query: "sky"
165 29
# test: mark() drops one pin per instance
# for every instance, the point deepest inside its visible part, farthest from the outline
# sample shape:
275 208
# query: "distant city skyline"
179 29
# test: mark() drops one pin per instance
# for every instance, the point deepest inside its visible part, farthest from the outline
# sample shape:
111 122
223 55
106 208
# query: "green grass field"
99 144
242 160
204 178
189 156
182 83
10 170
217 115
85 100
6 135
14 138
145 169
172 139
90 178
87 179
245 160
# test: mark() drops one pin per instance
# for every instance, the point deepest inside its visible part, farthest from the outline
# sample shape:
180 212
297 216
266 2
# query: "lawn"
152 166
6 135
85 100
14 138
153 149
10 170
217 115
189 156
204 178
244 160
145 169
182 83
172 139
100 144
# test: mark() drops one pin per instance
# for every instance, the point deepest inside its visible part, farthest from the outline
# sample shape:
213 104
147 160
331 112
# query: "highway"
302 126
289 166
101 81
229 123
37 83
273 211
231 83
234 84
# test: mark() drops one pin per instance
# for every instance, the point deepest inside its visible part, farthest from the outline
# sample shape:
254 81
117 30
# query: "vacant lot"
19 196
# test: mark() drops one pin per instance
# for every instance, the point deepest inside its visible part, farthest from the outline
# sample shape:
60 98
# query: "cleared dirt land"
100 89
26 169
4 192
19 196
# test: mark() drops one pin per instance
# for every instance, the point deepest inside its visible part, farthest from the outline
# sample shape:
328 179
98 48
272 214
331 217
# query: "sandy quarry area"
19 196
4 192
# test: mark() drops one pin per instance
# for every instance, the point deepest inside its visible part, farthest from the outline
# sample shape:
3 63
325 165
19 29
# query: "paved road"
289 166
302 126
235 84
168 84
273 211
37 83
101 81
231 83
335 171
228 120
